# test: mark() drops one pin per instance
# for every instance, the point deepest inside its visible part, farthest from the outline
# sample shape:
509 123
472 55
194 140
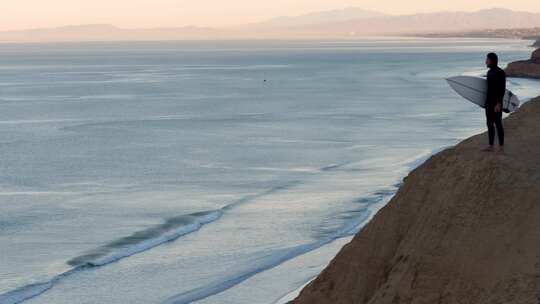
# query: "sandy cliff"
463 228
525 68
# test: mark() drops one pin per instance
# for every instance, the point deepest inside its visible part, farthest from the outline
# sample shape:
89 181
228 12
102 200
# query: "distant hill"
346 14
433 22
345 23
106 32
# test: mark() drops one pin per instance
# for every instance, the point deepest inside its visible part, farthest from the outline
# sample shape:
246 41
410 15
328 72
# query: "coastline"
376 266
328 169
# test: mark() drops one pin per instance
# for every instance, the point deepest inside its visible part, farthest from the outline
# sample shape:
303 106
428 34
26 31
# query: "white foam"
29 291
273 259
25 293
167 236
280 256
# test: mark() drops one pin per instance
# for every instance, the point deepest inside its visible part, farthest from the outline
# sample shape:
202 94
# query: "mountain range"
342 15
335 24
434 22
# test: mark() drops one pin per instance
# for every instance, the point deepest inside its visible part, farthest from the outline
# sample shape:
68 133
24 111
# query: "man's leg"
490 121
500 128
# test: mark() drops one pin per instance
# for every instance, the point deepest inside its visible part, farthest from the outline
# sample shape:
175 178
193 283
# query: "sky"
24 14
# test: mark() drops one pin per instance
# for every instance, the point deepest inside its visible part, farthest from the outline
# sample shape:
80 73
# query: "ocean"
213 171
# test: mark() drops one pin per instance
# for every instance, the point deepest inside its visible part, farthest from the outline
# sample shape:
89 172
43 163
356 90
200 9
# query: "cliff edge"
525 68
463 228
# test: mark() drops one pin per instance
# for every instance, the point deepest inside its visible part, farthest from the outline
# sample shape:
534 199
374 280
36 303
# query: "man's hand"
498 108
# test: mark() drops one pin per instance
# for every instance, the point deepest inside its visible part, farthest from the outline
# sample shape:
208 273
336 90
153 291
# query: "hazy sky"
21 14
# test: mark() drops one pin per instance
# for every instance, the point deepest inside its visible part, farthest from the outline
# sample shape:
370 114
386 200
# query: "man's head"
492 60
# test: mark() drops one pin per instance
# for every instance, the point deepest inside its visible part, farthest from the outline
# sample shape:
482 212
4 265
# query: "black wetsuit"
496 79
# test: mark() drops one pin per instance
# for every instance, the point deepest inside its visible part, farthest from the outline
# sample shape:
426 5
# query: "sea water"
212 172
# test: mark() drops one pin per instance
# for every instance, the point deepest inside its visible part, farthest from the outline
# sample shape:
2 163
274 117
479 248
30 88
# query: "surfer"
496 89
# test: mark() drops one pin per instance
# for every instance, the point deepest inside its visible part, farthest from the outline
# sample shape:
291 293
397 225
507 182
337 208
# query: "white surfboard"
474 89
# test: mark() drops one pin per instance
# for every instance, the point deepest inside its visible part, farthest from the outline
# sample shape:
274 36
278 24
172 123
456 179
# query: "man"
496 79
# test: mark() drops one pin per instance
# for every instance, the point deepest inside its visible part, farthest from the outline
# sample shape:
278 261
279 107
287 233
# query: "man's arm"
503 84
501 90
491 85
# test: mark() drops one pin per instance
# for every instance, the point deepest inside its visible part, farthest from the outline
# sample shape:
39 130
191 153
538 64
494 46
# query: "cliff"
525 68
463 228
536 43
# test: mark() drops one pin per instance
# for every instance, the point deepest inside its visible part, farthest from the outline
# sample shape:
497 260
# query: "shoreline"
292 295
335 281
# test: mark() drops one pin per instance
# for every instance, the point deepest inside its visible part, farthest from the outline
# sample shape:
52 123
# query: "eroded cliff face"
463 228
535 57
525 68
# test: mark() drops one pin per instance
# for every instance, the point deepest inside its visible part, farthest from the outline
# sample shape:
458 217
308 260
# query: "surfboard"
474 89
